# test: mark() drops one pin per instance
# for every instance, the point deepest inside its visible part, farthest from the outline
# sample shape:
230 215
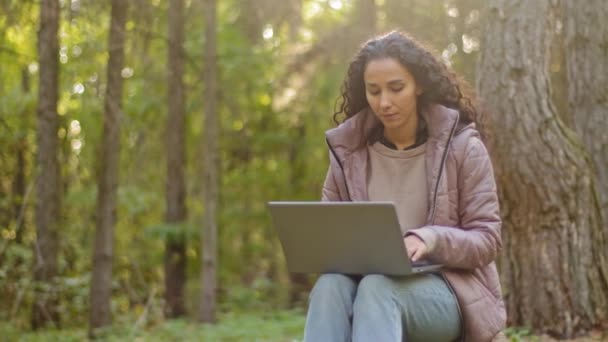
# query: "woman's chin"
392 124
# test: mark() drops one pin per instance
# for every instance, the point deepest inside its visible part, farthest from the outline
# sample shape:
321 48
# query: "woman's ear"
419 91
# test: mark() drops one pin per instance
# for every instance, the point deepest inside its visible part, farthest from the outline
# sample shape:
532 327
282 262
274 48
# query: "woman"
410 137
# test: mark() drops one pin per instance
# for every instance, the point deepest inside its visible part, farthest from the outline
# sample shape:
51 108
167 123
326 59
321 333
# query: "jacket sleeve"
330 186
477 241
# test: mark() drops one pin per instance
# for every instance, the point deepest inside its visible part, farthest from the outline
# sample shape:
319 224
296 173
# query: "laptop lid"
341 237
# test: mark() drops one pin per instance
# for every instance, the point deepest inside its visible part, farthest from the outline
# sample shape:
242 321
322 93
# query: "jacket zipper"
341 168
445 279
443 158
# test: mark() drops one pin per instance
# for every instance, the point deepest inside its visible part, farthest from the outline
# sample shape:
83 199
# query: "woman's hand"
416 248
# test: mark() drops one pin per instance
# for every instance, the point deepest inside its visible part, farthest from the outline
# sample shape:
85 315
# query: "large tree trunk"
175 249
211 170
48 173
107 181
554 268
586 51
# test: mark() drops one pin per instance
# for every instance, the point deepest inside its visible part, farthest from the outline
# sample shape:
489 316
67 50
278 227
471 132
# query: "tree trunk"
21 148
107 182
211 170
300 283
586 51
366 14
394 11
48 185
554 265
294 20
175 249
251 20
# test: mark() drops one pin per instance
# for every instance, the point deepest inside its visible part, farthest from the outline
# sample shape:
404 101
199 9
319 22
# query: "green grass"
281 326
277 326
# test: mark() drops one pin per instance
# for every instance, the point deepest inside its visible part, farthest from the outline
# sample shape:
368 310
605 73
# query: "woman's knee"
374 298
375 285
333 286
373 289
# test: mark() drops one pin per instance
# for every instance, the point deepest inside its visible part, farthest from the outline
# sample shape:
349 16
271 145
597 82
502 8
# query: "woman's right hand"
416 248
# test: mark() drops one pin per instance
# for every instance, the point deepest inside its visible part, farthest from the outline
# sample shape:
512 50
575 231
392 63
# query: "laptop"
343 237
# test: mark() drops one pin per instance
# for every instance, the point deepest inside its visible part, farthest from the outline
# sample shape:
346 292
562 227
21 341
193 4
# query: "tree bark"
107 181
250 21
211 170
366 13
586 53
294 19
48 185
21 148
554 265
175 248
394 12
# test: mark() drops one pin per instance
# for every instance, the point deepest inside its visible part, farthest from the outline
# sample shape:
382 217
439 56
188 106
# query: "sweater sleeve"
477 241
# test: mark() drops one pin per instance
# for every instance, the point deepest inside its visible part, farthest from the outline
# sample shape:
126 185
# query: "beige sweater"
400 176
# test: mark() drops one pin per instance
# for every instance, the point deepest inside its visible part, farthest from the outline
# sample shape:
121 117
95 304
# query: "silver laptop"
343 237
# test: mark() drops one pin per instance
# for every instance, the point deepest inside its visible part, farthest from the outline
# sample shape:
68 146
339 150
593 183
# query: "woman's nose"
385 101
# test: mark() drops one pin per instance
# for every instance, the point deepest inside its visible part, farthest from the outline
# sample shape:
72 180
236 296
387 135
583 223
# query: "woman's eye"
397 89
374 93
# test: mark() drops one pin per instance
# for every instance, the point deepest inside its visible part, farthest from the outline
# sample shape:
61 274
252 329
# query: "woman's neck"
402 136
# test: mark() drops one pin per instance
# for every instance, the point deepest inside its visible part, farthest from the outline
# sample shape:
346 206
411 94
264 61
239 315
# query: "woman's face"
391 92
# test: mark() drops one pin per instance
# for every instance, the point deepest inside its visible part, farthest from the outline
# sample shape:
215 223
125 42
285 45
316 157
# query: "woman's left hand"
416 248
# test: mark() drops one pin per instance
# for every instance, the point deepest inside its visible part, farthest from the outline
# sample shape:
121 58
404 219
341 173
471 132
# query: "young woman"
410 137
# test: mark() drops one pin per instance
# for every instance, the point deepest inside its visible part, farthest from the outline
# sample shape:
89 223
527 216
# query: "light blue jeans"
382 308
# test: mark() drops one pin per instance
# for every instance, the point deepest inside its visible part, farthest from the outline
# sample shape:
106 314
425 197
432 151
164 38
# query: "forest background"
141 139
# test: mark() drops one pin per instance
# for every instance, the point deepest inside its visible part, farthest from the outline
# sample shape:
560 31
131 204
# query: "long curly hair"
439 84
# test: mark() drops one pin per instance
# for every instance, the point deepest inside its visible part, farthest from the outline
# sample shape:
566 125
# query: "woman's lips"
390 116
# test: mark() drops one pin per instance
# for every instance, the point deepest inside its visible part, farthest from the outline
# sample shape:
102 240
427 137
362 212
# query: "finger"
411 251
414 257
418 254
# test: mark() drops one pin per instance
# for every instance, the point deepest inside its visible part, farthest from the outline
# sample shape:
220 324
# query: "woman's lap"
427 308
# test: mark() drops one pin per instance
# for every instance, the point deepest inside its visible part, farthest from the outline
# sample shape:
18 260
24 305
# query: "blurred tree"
20 151
586 53
451 27
366 18
211 170
103 254
294 19
256 15
426 18
300 283
48 175
343 39
280 65
554 267
175 248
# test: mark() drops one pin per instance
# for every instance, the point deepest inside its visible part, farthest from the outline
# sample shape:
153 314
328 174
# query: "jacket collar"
350 135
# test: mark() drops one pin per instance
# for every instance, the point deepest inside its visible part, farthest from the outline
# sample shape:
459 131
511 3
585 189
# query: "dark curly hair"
440 85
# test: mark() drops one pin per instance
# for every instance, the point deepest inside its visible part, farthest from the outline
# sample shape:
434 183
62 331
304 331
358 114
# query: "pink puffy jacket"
463 223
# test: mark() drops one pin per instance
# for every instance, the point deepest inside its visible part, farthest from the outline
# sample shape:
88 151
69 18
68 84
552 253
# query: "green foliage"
518 334
247 326
272 147
173 231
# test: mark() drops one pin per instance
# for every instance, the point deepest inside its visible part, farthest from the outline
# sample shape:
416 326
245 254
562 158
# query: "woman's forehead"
386 69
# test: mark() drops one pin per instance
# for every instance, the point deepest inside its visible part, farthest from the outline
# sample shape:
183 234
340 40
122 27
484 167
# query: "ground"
279 326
